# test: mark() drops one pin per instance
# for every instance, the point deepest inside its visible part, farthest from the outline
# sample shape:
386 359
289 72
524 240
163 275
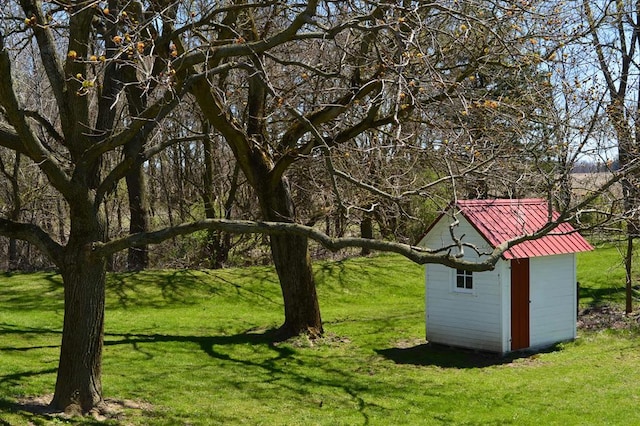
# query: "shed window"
464 280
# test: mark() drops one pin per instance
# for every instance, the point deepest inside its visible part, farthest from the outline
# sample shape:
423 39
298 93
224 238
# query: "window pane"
464 279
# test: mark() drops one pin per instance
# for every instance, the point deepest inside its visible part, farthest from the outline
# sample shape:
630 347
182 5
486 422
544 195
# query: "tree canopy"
305 121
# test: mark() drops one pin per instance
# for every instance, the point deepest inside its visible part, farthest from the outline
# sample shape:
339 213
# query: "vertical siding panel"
505 304
553 299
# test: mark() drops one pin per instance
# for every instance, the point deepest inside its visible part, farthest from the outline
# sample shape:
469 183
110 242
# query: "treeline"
596 167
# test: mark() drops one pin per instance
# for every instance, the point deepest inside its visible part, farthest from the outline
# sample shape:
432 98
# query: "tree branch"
30 144
251 48
10 139
33 234
48 55
417 254
420 255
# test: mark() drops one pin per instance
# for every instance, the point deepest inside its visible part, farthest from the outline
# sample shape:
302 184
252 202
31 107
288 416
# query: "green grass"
602 277
192 345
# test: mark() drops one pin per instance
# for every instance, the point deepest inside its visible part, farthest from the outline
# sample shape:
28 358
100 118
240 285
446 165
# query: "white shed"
528 301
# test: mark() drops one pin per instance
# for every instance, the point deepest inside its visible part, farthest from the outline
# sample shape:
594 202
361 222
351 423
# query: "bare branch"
16 117
33 234
10 139
417 254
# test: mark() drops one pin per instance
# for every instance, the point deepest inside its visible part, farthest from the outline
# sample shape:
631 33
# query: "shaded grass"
196 346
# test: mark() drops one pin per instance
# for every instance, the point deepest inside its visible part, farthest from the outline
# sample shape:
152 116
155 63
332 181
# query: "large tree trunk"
293 264
290 253
78 385
366 231
137 256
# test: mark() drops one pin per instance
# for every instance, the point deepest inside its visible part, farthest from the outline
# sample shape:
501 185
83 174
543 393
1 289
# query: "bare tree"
613 28
281 83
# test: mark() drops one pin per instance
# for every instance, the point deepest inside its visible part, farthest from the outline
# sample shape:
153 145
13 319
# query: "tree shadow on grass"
9 329
277 365
207 343
15 378
38 408
351 273
600 296
263 279
305 383
31 292
167 288
431 354
185 287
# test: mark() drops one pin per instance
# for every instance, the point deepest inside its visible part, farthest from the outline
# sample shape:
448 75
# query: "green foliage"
193 347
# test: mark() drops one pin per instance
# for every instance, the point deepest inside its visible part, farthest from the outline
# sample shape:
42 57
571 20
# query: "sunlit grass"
192 345
601 274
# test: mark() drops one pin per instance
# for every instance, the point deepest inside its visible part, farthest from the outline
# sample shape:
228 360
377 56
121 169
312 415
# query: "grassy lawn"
189 348
601 275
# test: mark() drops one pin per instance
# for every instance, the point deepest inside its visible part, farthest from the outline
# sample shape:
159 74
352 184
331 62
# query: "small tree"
614 33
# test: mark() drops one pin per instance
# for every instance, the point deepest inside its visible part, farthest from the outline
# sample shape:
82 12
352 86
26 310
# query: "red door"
519 304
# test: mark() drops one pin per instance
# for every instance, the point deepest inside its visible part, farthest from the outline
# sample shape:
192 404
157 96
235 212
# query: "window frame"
467 281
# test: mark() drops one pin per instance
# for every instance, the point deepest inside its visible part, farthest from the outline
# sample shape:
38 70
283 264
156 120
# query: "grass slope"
601 274
192 346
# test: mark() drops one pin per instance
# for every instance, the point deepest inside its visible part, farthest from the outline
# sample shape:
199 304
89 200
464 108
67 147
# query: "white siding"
553 299
505 285
439 236
482 319
473 320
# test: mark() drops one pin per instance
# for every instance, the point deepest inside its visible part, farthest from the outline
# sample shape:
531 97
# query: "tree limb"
30 144
48 55
10 139
248 49
417 254
33 234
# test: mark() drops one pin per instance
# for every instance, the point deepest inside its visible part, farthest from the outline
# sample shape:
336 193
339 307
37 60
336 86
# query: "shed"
529 301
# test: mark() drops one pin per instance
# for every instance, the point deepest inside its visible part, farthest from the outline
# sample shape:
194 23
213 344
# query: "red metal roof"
501 220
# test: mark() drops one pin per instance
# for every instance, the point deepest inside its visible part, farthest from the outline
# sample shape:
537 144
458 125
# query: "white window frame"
468 278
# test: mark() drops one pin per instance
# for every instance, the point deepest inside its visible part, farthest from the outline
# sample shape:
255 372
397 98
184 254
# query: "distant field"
189 348
585 183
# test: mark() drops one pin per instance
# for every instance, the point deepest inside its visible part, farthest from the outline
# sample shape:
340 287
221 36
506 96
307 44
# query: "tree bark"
301 308
293 264
290 253
366 231
137 257
78 385
628 270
